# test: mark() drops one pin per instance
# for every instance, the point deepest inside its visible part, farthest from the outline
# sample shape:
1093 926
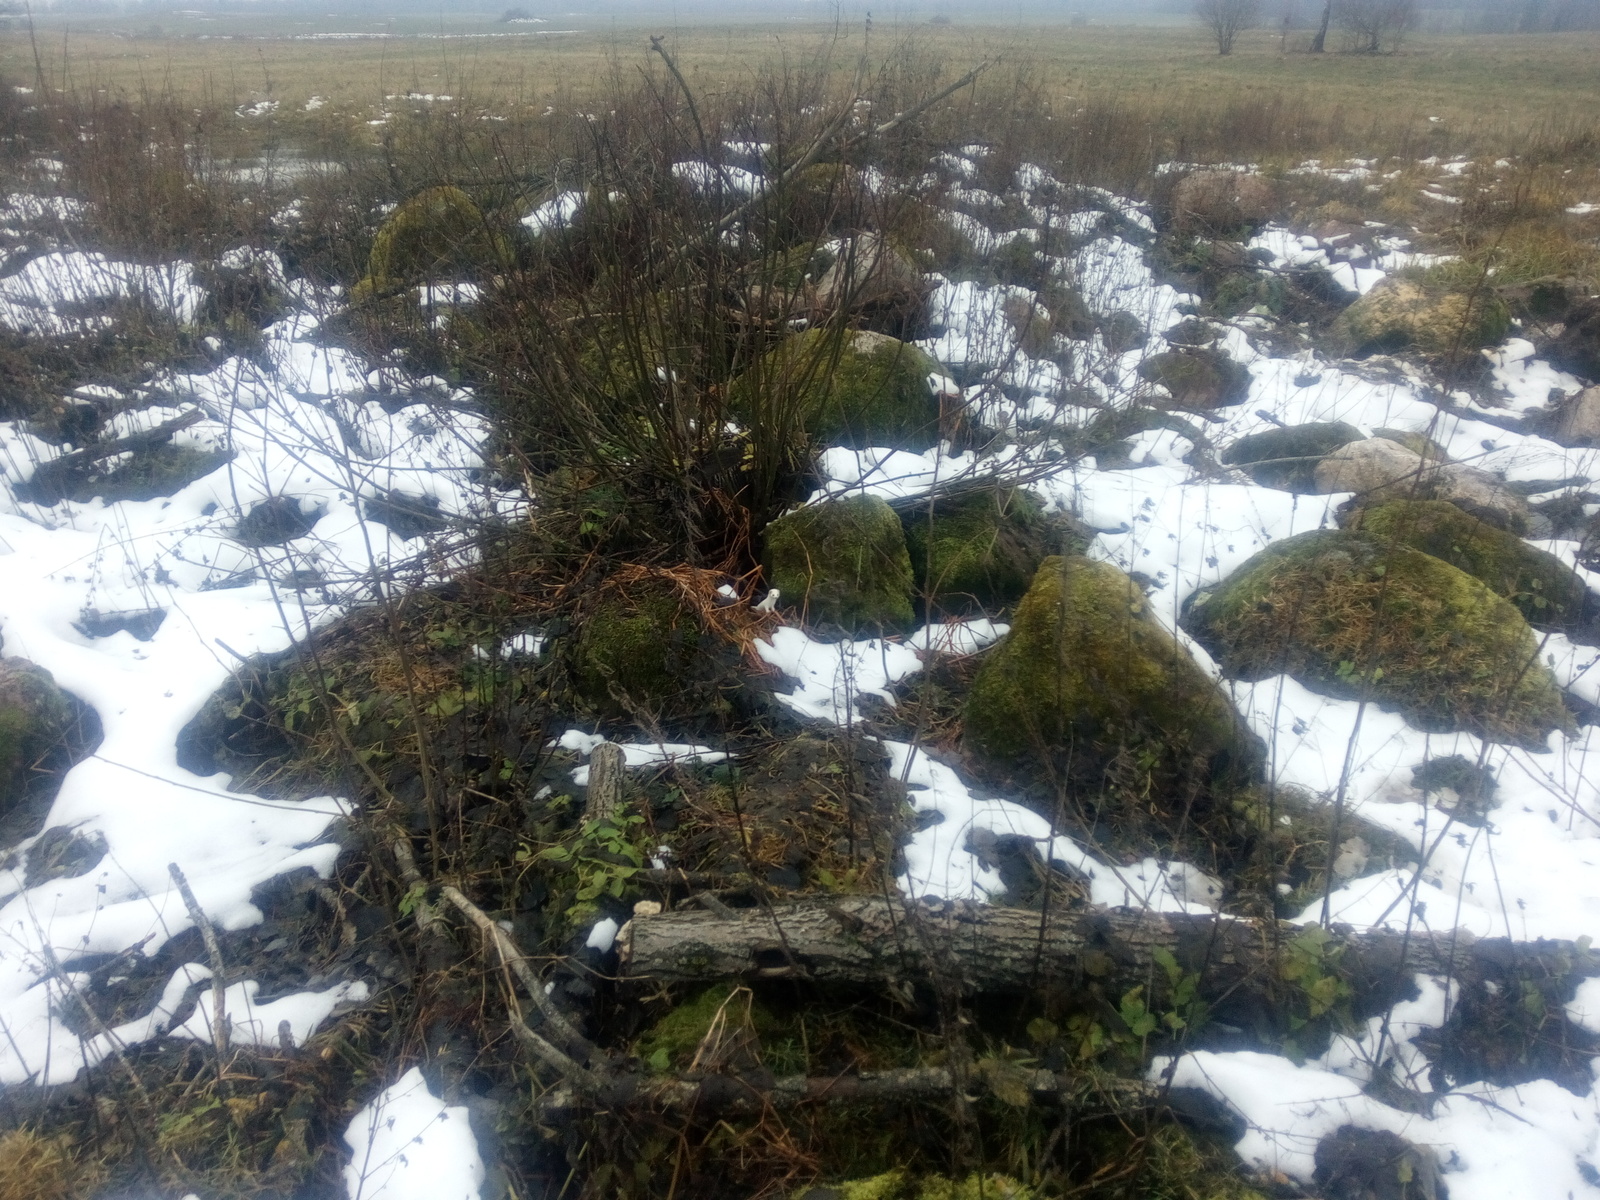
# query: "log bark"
989 949
604 795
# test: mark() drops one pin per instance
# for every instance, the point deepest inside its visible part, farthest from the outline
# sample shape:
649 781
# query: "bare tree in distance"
1319 43
1375 26
1227 19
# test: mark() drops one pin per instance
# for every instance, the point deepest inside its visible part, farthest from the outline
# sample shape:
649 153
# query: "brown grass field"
1487 92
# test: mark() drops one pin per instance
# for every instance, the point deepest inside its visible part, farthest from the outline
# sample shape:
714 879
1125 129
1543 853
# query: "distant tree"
1375 26
1226 19
1319 43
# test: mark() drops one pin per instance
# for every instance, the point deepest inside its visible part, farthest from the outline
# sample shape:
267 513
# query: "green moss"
1343 612
889 1186
639 654
973 1187
1197 377
1543 588
844 563
873 392
671 1043
981 548
1287 458
1088 673
34 716
1399 313
437 233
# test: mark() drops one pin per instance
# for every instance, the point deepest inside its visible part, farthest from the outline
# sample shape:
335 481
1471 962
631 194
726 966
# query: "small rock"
1371 1164
1579 421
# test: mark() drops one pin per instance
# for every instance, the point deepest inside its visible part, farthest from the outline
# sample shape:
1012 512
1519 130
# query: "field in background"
1440 95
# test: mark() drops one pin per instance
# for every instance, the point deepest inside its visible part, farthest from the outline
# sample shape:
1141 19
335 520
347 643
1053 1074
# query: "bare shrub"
1375 26
1226 19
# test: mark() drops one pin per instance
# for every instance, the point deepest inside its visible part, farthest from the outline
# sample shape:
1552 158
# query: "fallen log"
979 948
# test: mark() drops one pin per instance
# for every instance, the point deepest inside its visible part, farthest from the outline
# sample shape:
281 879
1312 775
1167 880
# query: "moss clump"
1399 313
1198 377
1345 612
1089 676
672 1042
870 391
1543 588
844 563
981 549
897 1185
1287 458
35 715
439 233
640 654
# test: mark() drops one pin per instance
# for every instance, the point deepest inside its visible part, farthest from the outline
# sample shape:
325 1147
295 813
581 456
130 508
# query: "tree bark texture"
989 949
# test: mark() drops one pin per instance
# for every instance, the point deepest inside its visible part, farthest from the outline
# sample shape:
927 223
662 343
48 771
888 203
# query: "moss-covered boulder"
1287 458
1543 588
1198 377
1348 614
983 549
844 564
35 716
643 653
1088 677
437 234
871 390
1399 314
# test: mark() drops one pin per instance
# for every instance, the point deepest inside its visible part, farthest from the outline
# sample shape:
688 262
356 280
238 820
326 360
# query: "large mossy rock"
1544 589
1348 614
844 564
1198 377
1087 678
644 654
983 549
1287 458
438 234
870 391
1399 314
35 717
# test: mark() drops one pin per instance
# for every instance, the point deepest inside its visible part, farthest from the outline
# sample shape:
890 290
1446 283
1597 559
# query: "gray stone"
1579 421
1378 470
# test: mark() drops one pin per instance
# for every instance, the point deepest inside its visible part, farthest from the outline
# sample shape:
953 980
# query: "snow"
409 1145
301 420
556 213
250 1023
603 935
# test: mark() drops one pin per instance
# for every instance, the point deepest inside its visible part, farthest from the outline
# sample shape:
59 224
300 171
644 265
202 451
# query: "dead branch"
865 939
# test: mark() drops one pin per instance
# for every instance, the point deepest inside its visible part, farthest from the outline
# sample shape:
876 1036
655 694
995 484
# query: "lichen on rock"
1351 615
1398 314
1088 674
844 564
